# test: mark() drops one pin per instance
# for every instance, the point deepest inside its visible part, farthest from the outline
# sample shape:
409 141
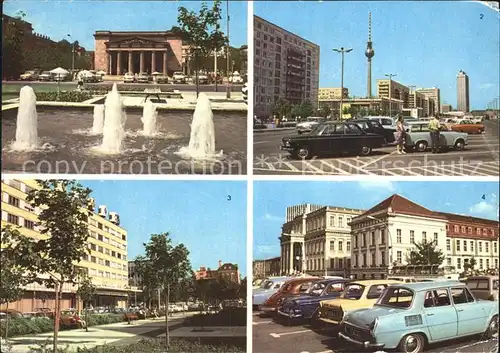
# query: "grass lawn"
11 90
226 317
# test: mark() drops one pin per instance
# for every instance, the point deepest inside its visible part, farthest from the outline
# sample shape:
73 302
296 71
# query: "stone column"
141 62
291 256
119 63
165 62
130 66
153 61
110 63
282 254
304 264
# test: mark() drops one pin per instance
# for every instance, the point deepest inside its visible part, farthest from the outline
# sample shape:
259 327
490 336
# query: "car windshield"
495 284
353 291
466 122
319 129
396 297
267 285
46 73
317 288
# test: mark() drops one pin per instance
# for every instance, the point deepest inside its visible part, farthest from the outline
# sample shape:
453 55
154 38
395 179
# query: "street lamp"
228 88
342 51
72 55
390 92
389 246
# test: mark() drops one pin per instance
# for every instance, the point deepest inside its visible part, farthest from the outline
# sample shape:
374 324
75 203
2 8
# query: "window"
462 228
469 230
480 264
373 239
435 238
486 246
382 258
448 244
399 256
14 201
459 263
93 247
478 231
375 291
458 245
487 263
437 297
99 225
99 237
100 249
461 296
364 259
456 228
412 237
12 219
424 237
471 245
480 246
495 247
332 246
29 224
348 246
465 245
398 298
496 263
332 221
341 221
124 237
382 236
93 259
374 259
398 235
364 240
340 245
448 261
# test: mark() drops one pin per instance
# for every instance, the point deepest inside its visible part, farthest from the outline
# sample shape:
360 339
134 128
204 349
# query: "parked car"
202 79
483 287
70 319
178 77
290 288
130 315
260 295
308 124
30 75
357 295
386 121
306 306
98 75
332 137
161 78
418 137
468 126
407 317
46 76
11 313
375 127
142 77
236 78
129 78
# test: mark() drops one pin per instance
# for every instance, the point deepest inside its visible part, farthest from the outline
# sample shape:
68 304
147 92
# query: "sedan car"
178 77
142 78
46 76
162 78
407 317
308 124
468 126
129 77
306 306
332 137
483 287
357 295
29 76
418 137
272 285
375 127
292 287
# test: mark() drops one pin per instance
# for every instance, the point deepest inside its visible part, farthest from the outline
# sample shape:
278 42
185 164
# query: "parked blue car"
409 316
268 288
305 306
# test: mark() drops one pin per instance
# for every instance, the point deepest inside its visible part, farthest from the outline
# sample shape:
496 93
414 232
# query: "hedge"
64 96
121 87
155 345
225 317
25 326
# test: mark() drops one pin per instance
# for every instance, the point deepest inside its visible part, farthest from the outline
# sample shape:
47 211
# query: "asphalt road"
180 87
272 337
480 158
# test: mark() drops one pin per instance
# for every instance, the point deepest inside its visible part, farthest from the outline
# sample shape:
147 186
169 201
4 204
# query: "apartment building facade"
286 67
227 271
463 104
332 93
434 96
383 236
266 267
318 241
106 263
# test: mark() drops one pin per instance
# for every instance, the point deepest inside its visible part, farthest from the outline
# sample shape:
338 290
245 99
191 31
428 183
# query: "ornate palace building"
121 52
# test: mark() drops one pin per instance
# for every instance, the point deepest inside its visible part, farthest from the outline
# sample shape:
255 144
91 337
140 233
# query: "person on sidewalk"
400 136
434 131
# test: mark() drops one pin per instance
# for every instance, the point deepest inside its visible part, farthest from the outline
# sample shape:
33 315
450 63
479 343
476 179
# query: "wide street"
272 337
480 158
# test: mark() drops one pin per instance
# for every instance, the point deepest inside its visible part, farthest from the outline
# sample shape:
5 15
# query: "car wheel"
412 343
459 145
365 151
421 146
492 331
303 153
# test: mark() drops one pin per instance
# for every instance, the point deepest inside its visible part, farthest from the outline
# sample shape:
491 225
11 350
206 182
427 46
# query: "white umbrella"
59 71
156 73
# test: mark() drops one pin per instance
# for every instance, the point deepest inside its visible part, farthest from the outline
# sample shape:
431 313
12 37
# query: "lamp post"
228 88
342 51
389 245
390 92
72 55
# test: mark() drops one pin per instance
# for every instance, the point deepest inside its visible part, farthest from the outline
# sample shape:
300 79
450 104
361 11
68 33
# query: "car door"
351 138
440 316
471 317
335 137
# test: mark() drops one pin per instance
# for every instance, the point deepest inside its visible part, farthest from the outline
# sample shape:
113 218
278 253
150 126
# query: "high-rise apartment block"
463 92
286 67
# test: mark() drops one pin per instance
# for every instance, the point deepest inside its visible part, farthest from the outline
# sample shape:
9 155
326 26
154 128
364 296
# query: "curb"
273 130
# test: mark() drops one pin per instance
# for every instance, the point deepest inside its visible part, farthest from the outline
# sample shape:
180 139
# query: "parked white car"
236 78
309 124
179 77
129 77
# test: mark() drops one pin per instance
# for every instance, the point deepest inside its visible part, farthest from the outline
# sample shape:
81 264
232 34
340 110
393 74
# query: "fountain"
202 138
149 115
27 121
113 131
98 119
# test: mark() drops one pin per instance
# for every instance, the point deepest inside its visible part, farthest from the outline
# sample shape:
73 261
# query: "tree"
63 224
86 291
325 111
282 109
304 109
12 278
148 282
425 253
201 31
167 265
242 290
469 265
12 47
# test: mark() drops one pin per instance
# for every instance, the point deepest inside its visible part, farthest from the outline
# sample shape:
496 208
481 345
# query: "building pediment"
136 42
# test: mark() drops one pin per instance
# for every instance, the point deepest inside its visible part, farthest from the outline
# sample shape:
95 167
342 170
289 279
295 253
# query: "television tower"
369 53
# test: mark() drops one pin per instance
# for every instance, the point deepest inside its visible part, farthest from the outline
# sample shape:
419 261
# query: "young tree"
282 109
12 278
86 291
325 111
425 253
52 260
168 264
201 31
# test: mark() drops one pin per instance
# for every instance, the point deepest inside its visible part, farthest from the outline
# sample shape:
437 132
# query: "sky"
271 199
81 18
196 213
425 43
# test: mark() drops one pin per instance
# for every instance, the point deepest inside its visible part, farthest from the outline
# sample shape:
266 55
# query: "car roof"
424 286
370 282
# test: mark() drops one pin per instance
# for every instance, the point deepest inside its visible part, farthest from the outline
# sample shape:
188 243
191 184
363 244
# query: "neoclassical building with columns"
121 52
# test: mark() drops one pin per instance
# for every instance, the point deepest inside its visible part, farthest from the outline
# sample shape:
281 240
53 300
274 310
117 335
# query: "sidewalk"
97 335
208 331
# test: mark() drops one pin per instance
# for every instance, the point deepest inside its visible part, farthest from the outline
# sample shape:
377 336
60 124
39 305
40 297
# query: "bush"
64 96
226 317
103 319
121 87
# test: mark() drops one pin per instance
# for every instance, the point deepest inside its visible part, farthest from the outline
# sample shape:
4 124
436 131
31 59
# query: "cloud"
488 207
270 217
376 185
268 249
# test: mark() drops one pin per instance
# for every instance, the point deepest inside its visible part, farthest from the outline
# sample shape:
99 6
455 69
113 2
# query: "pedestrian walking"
434 131
400 136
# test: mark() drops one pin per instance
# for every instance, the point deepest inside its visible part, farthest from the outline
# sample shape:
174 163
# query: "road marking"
261 322
379 159
291 166
339 170
314 169
354 167
328 351
278 335
256 143
270 165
